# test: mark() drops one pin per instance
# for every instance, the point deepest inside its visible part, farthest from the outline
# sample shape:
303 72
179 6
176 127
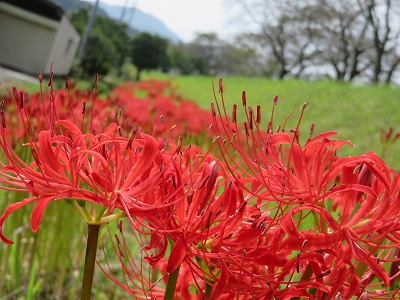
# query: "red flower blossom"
160 111
201 206
104 169
330 224
101 168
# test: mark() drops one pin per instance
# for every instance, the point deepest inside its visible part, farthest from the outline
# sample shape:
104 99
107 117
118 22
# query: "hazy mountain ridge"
135 18
140 21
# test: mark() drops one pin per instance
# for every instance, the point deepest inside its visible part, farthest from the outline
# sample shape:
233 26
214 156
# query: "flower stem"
90 261
208 290
172 280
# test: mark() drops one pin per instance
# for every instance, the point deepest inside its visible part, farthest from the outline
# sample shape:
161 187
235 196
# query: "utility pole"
132 11
121 19
87 32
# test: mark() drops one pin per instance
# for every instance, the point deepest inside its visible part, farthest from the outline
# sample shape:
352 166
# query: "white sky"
186 17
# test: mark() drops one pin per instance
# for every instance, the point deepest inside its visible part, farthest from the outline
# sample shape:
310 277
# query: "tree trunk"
138 71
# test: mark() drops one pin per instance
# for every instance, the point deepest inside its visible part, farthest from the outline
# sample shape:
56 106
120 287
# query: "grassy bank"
356 112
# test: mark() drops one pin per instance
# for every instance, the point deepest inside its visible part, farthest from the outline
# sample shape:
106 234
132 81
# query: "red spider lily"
44 109
102 168
281 168
159 111
154 87
191 118
274 218
202 207
387 138
156 114
322 250
144 282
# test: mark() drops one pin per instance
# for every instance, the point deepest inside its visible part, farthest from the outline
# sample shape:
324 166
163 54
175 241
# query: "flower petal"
72 127
37 212
146 157
48 157
221 284
9 210
177 255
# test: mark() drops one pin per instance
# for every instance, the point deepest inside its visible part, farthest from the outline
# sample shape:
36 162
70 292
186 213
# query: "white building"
34 34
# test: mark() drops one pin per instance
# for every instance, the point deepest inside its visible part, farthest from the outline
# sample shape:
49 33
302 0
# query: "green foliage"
107 46
149 52
98 60
180 60
117 34
79 20
356 112
209 55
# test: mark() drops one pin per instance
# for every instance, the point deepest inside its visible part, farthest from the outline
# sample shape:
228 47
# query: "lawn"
357 112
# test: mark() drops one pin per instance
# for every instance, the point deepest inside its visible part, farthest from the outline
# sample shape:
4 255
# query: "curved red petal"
9 210
177 255
146 157
38 211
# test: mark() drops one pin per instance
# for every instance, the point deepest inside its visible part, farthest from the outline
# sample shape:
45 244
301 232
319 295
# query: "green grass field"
356 112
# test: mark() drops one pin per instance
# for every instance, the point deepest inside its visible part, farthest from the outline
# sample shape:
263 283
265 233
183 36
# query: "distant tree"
353 38
340 37
382 17
149 52
206 50
283 33
116 32
181 61
79 20
207 54
239 58
100 54
108 35
359 38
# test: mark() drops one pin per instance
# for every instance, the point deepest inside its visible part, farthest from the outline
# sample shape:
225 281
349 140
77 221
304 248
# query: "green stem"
171 285
208 290
111 218
83 211
90 260
100 214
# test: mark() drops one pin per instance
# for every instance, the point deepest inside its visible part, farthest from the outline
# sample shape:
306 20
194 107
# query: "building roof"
41 7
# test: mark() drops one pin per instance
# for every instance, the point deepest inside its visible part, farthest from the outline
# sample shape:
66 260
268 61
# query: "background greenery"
357 112
349 41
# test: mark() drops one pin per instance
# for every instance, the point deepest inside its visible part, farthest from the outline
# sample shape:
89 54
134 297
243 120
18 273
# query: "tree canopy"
148 52
107 45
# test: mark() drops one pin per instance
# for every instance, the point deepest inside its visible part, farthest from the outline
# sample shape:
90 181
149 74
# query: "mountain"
136 19
140 21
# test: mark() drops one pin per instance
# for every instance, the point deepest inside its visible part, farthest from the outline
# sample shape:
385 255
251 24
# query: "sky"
185 17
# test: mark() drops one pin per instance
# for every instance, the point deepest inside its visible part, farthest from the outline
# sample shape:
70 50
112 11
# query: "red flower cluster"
271 218
266 216
160 111
151 106
333 223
